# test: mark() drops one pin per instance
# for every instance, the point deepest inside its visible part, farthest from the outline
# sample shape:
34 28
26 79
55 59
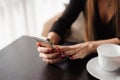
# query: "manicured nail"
51 50
71 57
48 50
57 49
38 44
62 53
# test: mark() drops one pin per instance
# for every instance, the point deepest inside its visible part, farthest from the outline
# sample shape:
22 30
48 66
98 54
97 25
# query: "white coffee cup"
109 56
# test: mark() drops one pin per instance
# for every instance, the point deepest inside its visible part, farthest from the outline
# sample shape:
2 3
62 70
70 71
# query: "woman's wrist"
92 46
54 37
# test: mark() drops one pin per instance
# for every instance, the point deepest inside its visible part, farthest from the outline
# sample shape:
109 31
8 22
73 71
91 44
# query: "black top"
102 30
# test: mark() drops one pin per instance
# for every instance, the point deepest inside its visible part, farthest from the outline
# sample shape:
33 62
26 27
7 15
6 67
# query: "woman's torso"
103 29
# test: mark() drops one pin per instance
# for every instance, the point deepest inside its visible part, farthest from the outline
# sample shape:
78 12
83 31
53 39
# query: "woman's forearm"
108 41
95 44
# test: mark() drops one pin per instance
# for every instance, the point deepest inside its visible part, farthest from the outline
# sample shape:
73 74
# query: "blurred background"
25 17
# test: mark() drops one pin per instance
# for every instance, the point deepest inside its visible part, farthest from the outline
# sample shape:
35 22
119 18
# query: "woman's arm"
63 24
107 41
81 50
54 37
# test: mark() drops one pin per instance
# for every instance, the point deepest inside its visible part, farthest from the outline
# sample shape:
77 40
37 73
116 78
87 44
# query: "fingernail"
38 44
71 57
49 50
57 49
62 53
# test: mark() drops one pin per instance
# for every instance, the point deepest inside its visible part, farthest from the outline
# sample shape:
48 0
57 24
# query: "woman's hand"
79 51
49 55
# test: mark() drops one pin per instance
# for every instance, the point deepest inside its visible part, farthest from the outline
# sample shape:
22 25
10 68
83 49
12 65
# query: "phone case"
45 42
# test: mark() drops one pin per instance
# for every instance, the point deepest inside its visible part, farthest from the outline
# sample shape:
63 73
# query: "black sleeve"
68 17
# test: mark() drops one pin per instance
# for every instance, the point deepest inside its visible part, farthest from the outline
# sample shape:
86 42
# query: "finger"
43 49
46 61
49 56
70 53
51 61
78 56
38 44
64 48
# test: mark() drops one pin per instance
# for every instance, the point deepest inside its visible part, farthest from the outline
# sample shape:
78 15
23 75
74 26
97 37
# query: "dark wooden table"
20 61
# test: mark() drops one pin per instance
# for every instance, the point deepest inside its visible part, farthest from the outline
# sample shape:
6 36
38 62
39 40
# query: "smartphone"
45 42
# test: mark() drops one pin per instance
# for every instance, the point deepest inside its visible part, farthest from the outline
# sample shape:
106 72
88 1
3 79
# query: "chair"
76 31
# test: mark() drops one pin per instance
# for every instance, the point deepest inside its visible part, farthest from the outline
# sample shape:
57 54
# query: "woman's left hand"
79 51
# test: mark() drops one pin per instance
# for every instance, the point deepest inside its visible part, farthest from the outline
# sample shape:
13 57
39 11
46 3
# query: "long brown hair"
90 18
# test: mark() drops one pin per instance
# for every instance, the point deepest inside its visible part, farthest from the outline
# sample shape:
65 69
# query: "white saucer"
95 70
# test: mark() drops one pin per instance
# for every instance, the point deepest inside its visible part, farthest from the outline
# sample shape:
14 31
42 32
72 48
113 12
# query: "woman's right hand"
49 55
